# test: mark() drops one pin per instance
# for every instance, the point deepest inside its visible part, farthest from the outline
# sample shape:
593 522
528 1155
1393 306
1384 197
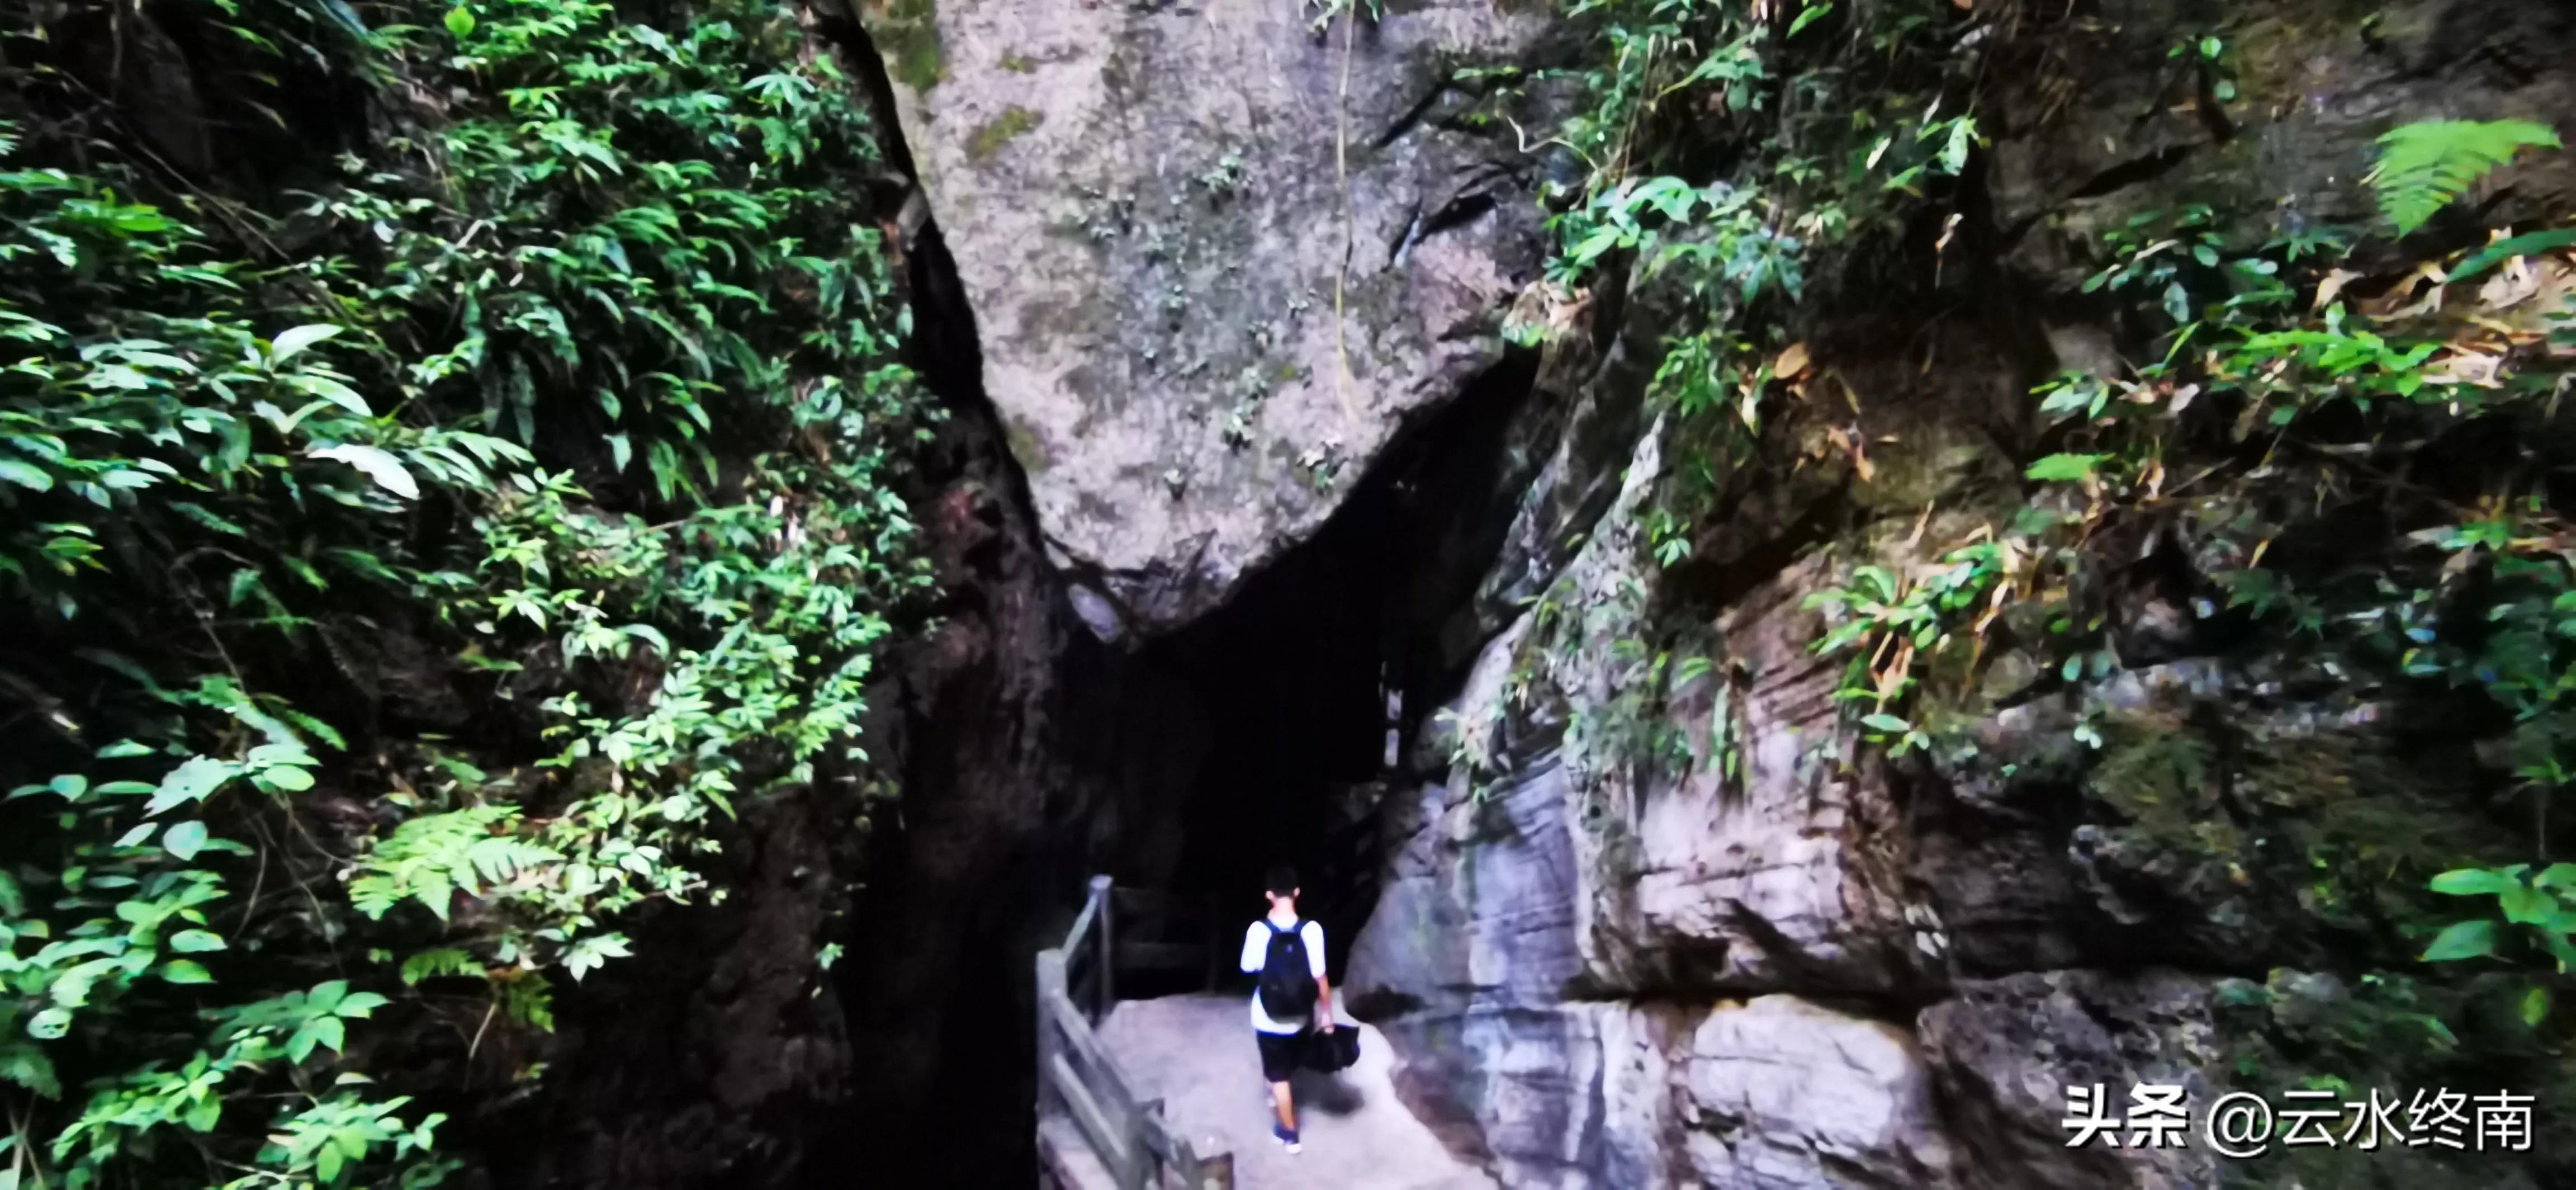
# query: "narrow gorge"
1632 920
1802 581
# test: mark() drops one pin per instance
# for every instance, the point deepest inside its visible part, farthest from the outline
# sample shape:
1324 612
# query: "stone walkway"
1195 1053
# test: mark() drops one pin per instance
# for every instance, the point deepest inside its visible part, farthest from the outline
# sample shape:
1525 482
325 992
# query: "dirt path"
1195 1053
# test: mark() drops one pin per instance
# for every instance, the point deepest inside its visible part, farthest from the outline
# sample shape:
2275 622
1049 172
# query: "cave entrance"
1288 683
1305 688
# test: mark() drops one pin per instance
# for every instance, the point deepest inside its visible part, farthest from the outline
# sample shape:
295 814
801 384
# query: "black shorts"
1279 1053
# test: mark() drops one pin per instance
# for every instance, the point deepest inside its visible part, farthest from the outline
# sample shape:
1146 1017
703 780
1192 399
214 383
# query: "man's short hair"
1282 880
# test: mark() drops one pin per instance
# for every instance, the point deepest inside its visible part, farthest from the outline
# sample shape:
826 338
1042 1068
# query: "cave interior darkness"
1296 684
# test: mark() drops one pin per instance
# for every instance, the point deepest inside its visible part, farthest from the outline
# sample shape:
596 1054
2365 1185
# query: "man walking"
1288 952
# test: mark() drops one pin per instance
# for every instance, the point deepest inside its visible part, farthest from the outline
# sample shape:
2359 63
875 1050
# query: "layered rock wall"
1608 963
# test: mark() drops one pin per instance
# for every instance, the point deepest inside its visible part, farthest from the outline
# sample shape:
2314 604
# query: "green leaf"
2471 882
2557 946
192 781
319 385
2462 940
2535 1006
196 941
50 1024
2503 250
2527 906
26 475
2553 876
27 1066
459 22
184 839
294 340
379 466
2064 468
185 971
2425 165
588 954
431 963
1885 723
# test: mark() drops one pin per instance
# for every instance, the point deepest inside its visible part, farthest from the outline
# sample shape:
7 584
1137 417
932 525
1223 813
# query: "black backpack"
1287 982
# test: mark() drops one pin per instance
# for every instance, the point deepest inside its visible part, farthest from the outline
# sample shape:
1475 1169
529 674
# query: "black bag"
1287 982
1333 1051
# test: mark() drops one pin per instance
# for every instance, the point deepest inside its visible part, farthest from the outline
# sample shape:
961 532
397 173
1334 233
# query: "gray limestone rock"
1784 1093
2005 1051
1152 208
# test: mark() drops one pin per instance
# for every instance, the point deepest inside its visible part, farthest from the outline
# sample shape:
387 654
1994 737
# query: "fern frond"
431 857
2424 166
430 964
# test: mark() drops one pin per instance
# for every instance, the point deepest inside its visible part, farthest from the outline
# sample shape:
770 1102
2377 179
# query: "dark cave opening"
1306 687
1290 679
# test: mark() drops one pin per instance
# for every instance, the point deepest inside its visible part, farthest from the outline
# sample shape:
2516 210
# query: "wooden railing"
1077 1080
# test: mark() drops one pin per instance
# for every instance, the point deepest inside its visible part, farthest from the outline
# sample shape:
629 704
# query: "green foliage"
2424 166
1716 231
2064 467
1895 628
2242 351
1671 65
1733 155
1830 123
2170 255
433 857
583 383
2475 593
2529 905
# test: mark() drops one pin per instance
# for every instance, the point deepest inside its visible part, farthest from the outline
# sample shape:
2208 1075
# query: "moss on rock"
907 33
1025 447
991 135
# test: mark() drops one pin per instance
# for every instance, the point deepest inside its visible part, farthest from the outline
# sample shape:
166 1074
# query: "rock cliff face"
1216 259
1605 963
1606 967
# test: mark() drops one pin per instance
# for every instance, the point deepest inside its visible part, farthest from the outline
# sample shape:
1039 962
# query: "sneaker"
1287 1137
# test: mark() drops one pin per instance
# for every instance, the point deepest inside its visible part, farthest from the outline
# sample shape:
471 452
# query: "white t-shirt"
1256 954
